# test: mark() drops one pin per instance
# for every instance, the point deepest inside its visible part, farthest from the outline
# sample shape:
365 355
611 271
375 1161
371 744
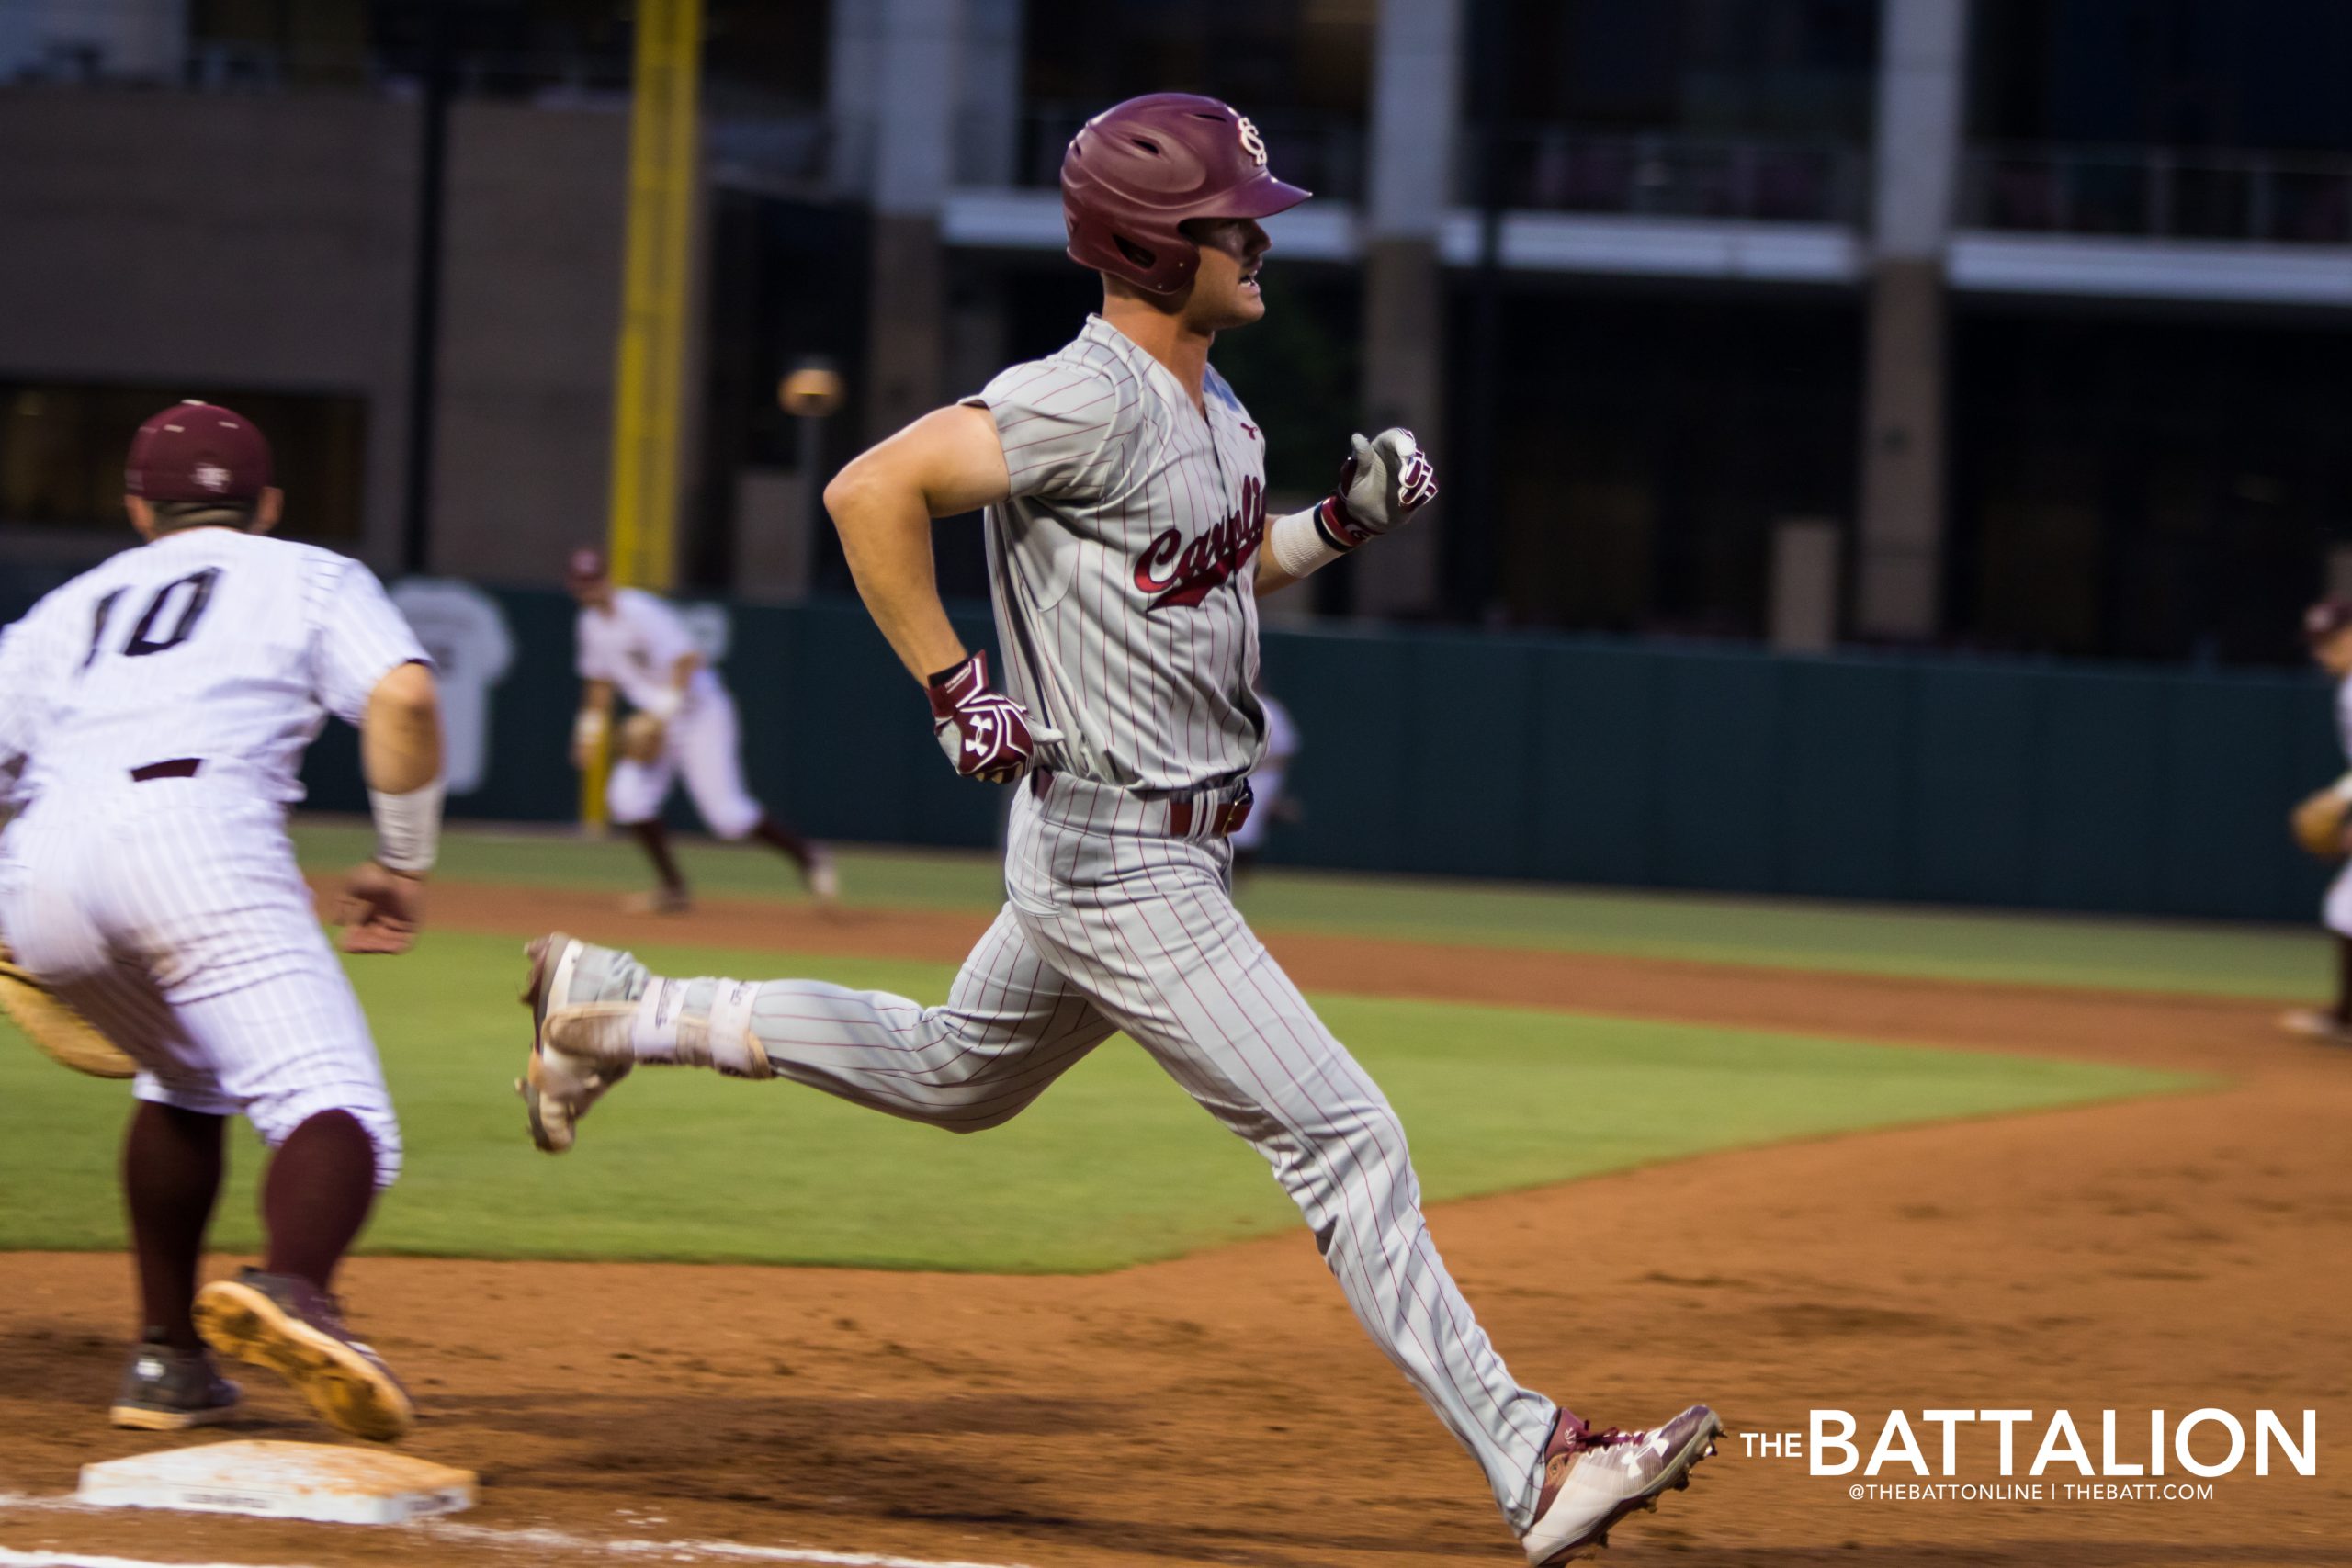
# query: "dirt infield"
2176 1252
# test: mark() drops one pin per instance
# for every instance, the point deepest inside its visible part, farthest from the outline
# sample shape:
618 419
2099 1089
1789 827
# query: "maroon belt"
1222 819
177 768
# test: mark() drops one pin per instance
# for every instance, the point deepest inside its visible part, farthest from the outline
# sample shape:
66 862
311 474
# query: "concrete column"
988 96
1921 98
853 91
1416 104
1804 585
913 159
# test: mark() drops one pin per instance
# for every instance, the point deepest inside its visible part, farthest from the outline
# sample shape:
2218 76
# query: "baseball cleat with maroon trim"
1591 1480
166 1390
296 1330
592 985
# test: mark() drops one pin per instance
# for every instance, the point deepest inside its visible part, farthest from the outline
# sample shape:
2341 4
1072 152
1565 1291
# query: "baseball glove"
2319 822
56 1028
641 737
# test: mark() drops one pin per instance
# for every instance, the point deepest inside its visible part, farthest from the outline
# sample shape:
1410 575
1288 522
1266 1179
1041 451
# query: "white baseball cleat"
1591 1480
2315 1025
824 876
590 987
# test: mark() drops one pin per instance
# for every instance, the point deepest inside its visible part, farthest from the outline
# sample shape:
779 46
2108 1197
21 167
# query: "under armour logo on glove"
1382 484
986 734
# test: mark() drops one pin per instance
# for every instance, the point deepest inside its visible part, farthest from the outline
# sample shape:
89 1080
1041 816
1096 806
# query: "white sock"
699 1024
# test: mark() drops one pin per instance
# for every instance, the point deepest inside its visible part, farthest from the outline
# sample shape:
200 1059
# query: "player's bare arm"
947 462
399 748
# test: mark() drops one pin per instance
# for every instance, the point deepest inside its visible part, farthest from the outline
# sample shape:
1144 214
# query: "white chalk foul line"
484 1535
734 1551
90 1559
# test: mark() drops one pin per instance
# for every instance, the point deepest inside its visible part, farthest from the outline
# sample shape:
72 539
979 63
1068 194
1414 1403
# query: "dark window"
1708 67
1300 69
1645 446
2212 74
63 447
2142 488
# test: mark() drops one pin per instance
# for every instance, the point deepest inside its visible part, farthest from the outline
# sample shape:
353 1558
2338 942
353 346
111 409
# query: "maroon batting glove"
985 733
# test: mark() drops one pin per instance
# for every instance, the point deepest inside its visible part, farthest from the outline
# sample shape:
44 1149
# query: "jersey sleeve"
361 638
1065 428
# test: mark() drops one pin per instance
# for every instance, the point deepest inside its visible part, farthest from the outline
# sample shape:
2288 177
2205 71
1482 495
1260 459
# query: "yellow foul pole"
649 370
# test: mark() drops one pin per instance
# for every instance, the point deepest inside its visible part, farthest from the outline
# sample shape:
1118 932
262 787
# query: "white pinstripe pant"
1122 929
173 917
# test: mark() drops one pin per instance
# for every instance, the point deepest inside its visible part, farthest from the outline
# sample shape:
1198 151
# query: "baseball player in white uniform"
1124 483
2327 630
151 886
685 723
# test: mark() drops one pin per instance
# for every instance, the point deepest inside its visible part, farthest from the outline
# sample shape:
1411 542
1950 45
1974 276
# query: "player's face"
1225 289
595 595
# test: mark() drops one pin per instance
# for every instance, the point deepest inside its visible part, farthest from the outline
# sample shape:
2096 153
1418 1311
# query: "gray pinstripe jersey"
1123 563
228 646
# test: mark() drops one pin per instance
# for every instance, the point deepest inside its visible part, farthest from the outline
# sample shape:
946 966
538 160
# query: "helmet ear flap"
1132 252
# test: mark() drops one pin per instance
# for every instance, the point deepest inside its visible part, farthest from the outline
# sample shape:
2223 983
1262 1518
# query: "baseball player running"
2322 822
1127 538
150 887
685 723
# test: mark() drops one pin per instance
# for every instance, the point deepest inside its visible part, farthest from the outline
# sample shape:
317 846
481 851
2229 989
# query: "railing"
2159 194
1565 169
1324 154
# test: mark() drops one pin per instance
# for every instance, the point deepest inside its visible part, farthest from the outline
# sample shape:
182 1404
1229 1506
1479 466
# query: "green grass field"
2181 957
1114 1165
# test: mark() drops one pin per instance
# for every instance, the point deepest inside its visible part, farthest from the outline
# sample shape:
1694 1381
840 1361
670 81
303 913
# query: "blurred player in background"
150 887
1266 781
2320 821
684 723
1128 542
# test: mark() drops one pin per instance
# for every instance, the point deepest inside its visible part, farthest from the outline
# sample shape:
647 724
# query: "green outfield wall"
1935 779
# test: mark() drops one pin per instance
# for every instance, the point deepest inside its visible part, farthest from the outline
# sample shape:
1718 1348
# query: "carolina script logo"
1182 574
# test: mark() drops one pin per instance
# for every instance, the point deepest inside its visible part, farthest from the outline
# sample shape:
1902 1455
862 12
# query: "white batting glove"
1382 484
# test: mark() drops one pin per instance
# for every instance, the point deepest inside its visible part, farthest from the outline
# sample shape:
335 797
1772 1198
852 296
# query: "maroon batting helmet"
1136 172
200 452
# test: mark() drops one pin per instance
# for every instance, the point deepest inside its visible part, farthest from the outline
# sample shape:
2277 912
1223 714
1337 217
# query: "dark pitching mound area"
2186 1250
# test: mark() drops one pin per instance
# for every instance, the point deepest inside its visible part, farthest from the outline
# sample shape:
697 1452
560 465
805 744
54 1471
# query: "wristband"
665 706
2343 789
588 729
1298 544
408 828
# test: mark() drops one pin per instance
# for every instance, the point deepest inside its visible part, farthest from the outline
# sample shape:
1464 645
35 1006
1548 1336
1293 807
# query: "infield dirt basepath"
2184 1250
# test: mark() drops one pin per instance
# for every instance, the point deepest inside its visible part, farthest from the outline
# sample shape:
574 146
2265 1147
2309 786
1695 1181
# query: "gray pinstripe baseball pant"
1113 925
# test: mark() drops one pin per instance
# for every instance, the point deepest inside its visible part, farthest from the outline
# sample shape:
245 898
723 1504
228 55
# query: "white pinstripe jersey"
637 646
212 644
1123 565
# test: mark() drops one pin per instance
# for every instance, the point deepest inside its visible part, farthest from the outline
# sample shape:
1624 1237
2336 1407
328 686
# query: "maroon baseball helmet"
198 451
1136 173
